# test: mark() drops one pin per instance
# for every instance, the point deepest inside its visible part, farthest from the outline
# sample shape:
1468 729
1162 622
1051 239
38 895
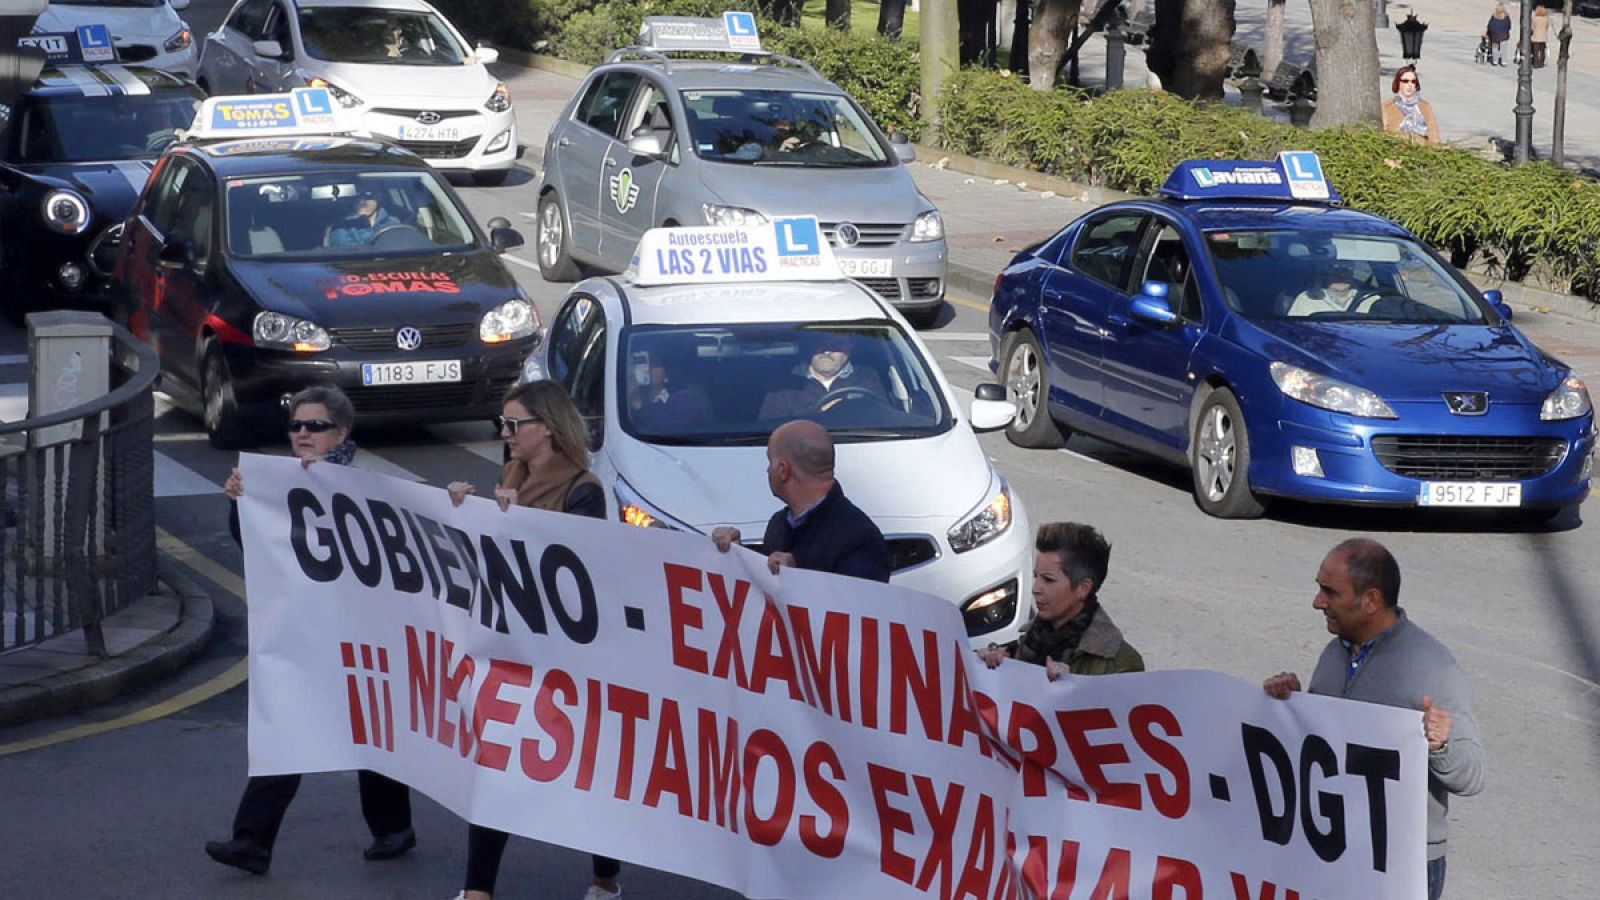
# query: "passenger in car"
661 399
826 379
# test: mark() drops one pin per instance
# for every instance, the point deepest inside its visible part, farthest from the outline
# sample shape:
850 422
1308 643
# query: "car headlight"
283 332
633 510
66 211
985 523
345 98
510 320
1568 401
179 41
928 227
731 216
500 100
1329 393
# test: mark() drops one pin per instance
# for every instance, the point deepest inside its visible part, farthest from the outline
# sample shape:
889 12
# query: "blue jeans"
1435 878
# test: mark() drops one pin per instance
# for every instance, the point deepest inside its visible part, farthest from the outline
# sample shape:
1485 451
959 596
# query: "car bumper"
908 275
479 141
1389 462
183 62
54 272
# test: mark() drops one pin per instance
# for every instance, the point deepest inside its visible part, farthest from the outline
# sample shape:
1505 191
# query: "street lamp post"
1524 108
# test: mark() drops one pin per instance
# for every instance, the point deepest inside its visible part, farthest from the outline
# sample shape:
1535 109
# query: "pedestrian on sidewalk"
1406 113
1499 31
547 468
320 419
1378 655
1540 34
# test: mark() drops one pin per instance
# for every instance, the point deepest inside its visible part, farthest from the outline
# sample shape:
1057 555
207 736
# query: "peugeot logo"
408 338
848 234
1467 403
428 118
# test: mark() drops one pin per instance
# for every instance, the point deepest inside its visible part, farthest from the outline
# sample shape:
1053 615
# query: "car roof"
245 157
105 80
734 303
698 74
1223 215
407 5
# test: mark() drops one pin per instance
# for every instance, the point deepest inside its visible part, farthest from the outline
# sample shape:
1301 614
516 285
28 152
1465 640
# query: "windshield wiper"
848 433
705 440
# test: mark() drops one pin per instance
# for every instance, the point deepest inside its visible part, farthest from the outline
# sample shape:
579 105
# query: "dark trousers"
485 846
1435 878
385 804
1538 54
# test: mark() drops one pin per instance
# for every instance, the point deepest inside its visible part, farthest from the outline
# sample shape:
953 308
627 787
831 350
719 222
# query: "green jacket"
1101 650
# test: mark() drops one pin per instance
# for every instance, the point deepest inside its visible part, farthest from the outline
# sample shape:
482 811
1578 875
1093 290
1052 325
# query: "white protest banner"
635 693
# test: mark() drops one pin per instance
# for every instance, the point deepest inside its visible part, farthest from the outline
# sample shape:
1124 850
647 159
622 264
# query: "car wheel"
224 423
490 177
1027 383
555 247
1219 456
921 319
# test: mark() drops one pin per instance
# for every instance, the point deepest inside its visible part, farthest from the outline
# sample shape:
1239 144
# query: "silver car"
650 140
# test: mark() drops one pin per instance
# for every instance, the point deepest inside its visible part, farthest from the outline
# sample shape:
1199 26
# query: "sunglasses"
315 426
505 422
1408 81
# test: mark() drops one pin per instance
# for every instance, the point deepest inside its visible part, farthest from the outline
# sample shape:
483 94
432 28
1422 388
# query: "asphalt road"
124 812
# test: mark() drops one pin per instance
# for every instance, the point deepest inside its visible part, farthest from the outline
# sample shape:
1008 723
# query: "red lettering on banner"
1173 873
942 816
1092 758
765 744
489 707
1141 719
773 657
826 674
918 680
591 734
556 723
685 616
719 771
422 678
891 821
964 716
1116 877
828 799
729 651
869 672
668 771
1040 757
1003 889
978 870
1036 868
1268 890
632 706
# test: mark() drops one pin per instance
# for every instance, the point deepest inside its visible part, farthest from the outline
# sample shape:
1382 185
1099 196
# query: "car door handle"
610 162
563 142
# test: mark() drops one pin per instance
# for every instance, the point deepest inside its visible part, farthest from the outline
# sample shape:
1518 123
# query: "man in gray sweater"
1378 656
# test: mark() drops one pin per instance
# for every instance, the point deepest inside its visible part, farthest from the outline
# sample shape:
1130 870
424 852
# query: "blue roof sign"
88 44
735 32
1296 175
301 111
788 249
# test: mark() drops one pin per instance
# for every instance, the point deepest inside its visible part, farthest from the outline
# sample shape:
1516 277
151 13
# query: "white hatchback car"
682 383
145 32
399 65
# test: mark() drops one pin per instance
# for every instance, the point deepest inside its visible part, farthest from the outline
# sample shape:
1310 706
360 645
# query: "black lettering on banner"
500 581
422 550
1376 765
323 569
1259 743
454 594
580 629
405 573
368 567
490 614
1329 845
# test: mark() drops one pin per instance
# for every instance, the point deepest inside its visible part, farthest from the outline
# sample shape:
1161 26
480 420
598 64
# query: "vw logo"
428 118
848 235
408 338
1467 403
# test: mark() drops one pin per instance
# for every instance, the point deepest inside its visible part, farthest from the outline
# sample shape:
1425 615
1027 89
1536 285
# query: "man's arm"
1462 765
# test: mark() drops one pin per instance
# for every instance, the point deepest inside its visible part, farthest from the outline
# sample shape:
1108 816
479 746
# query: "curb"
97 682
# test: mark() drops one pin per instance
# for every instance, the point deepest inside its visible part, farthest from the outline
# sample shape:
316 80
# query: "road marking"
174 479
175 436
969 304
517 260
981 363
14 359
954 335
529 215
372 462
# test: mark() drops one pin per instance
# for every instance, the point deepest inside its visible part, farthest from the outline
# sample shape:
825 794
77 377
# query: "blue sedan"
1246 325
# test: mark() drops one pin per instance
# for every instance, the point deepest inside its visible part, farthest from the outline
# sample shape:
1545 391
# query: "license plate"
430 372
865 268
1470 493
425 133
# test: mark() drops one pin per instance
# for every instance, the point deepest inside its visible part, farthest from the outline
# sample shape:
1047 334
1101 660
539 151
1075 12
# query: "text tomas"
713 261
378 542
598 736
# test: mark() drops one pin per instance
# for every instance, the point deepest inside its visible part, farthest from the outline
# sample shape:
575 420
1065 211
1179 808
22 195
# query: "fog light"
71 276
991 609
1306 462
499 143
1588 468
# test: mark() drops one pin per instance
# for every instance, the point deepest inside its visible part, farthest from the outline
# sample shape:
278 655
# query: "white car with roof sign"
399 65
683 367
145 32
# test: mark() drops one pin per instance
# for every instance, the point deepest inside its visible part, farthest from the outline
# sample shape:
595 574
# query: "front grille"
421 397
135 53
381 340
905 552
1468 458
887 288
872 235
923 288
441 149
443 114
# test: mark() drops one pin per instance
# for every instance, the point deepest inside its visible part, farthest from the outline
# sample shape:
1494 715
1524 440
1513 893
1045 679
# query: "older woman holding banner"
548 468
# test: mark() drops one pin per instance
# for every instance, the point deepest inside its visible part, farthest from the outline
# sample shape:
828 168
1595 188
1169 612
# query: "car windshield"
351 34
343 214
138 4
1319 275
95 129
782 128
727 385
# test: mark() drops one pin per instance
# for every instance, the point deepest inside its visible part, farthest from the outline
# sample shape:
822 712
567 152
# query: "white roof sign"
789 249
299 112
735 32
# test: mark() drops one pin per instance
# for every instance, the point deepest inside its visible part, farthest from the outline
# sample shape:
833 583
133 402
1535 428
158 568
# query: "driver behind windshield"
362 225
1336 293
826 379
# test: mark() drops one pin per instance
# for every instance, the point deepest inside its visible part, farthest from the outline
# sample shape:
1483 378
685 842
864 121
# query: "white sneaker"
596 892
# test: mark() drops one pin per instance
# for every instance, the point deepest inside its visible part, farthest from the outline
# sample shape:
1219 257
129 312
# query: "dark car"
1247 326
74 154
258 267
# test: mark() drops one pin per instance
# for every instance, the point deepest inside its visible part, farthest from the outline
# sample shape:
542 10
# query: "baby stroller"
1482 56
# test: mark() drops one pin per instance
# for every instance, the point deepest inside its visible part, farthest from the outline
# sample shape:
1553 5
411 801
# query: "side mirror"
179 5
904 152
1498 301
991 411
487 55
176 254
1151 305
503 239
268 49
646 141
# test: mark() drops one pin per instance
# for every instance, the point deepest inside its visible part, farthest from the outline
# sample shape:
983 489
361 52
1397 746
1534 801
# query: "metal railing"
79 508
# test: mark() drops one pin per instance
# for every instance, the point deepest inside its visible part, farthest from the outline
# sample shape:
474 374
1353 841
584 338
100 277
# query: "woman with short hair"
1408 115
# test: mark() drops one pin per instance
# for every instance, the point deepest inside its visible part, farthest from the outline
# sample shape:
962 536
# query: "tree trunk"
837 14
1347 63
1272 45
1048 40
1189 46
891 18
938 34
1558 142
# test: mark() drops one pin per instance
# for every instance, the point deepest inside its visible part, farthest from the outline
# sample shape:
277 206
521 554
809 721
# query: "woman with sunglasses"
547 468
1407 114
319 431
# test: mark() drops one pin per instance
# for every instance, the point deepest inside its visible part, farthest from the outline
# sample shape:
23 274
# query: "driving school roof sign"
301 111
1296 175
791 249
87 44
735 32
